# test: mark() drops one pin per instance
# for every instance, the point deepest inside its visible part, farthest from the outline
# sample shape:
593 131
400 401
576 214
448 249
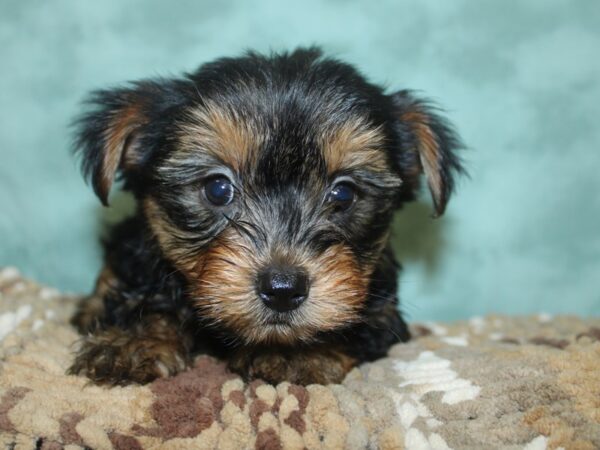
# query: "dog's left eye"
342 196
219 190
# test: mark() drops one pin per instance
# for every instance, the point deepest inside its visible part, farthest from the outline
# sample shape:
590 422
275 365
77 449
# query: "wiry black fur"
302 85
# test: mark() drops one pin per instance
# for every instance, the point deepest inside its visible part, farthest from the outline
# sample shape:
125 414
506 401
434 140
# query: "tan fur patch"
224 283
106 282
116 138
167 235
354 145
339 288
222 133
88 314
91 308
428 150
225 291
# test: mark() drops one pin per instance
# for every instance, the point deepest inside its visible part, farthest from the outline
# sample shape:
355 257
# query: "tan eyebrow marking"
354 145
222 133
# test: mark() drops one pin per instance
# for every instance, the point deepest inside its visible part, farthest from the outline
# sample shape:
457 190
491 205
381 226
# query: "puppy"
265 190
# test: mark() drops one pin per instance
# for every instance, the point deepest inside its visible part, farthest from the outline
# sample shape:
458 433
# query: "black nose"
283 288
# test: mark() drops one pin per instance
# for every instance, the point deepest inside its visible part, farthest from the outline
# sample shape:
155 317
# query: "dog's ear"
429 146
109 134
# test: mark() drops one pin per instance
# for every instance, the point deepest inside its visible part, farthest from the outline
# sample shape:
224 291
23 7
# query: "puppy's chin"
283 333
286 328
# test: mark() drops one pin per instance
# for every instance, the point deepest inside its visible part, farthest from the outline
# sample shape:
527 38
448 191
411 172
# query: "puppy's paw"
115 357
312 366
87 314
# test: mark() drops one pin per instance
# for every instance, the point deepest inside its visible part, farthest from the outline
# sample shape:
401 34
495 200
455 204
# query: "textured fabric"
494 382
519 79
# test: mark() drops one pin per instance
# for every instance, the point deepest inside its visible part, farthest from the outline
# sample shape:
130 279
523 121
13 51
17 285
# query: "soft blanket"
493 382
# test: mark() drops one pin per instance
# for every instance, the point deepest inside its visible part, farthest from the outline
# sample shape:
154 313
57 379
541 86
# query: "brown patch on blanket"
257 408
510 340
593 333
296 418
8 402
122 442
190 402
418 331
301 395
556 343
268 440
238 399
68 433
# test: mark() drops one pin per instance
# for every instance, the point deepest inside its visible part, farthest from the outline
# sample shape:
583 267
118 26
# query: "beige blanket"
494 382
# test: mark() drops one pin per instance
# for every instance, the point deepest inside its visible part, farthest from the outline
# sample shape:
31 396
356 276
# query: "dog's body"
266 188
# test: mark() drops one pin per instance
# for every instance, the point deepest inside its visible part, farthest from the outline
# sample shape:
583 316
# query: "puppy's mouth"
280 319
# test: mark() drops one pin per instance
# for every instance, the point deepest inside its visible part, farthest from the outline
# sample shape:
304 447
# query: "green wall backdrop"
520 79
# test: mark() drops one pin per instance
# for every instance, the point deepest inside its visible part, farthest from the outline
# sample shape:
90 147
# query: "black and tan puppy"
265 187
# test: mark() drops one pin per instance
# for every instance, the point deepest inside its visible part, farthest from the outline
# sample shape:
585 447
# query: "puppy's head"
270 182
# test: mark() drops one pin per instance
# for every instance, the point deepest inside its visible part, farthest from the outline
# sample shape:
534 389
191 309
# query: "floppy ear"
430 147
109 134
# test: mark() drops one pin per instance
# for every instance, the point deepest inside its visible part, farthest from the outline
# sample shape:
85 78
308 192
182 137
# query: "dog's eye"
342 196
219 190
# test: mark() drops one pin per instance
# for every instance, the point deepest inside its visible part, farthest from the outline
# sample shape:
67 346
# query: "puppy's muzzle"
283 289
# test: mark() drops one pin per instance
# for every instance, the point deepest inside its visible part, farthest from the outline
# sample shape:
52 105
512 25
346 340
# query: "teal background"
520 79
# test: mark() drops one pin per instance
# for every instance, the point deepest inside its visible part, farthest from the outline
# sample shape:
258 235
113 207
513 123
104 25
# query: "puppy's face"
270 183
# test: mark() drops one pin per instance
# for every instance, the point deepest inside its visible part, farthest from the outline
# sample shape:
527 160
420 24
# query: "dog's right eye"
219 190
342 196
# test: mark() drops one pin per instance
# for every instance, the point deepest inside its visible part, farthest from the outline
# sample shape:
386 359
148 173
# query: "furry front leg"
90 310
299 366
115 356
